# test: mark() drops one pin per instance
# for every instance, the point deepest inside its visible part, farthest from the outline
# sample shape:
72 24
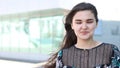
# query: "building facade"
33 36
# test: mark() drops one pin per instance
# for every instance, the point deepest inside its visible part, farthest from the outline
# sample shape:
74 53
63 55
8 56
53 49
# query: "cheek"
76 28
93 28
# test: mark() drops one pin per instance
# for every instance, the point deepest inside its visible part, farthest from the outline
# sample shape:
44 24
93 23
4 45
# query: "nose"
84 26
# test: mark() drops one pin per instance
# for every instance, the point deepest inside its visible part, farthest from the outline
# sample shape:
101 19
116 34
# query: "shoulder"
109 44
69 48
65 50
113 46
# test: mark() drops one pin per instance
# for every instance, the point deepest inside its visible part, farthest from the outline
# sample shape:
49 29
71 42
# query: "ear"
96 24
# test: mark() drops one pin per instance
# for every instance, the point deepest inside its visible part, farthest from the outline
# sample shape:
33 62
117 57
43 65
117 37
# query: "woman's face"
84 24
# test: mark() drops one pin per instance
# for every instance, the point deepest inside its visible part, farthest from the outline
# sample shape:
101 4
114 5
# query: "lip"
84 32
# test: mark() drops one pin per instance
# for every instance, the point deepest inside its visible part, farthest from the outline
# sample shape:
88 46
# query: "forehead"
83 15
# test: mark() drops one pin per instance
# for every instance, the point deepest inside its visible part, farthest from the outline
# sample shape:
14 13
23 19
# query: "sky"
107 9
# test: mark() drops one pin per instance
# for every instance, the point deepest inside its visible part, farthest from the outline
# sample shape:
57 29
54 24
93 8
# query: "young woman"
79 49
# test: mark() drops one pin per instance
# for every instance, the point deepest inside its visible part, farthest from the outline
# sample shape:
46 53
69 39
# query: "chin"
85 37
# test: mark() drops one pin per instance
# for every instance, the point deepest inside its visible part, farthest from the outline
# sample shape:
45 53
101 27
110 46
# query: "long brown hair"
70 38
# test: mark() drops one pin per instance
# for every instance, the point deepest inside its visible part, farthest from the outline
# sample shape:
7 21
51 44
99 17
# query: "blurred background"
30 30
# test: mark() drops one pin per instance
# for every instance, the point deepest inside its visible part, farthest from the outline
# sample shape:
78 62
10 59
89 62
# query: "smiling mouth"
84 32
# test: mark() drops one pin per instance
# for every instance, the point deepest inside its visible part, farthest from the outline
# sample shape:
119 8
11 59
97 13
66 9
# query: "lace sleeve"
59 63
115 63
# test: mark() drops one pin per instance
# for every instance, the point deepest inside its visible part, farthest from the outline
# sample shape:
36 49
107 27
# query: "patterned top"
103 56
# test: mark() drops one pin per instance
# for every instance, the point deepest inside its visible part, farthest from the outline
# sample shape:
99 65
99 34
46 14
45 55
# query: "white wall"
16 6
107 9
106 30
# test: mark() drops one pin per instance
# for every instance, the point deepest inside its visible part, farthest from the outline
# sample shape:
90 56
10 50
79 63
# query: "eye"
90 21
78 22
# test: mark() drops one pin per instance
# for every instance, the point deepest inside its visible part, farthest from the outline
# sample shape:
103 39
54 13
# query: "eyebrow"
81 20
77 20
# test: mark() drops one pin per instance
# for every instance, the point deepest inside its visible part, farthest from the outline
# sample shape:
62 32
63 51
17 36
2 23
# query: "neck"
86 44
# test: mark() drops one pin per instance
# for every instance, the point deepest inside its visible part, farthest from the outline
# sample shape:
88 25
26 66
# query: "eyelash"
81 22
90 22
78 22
